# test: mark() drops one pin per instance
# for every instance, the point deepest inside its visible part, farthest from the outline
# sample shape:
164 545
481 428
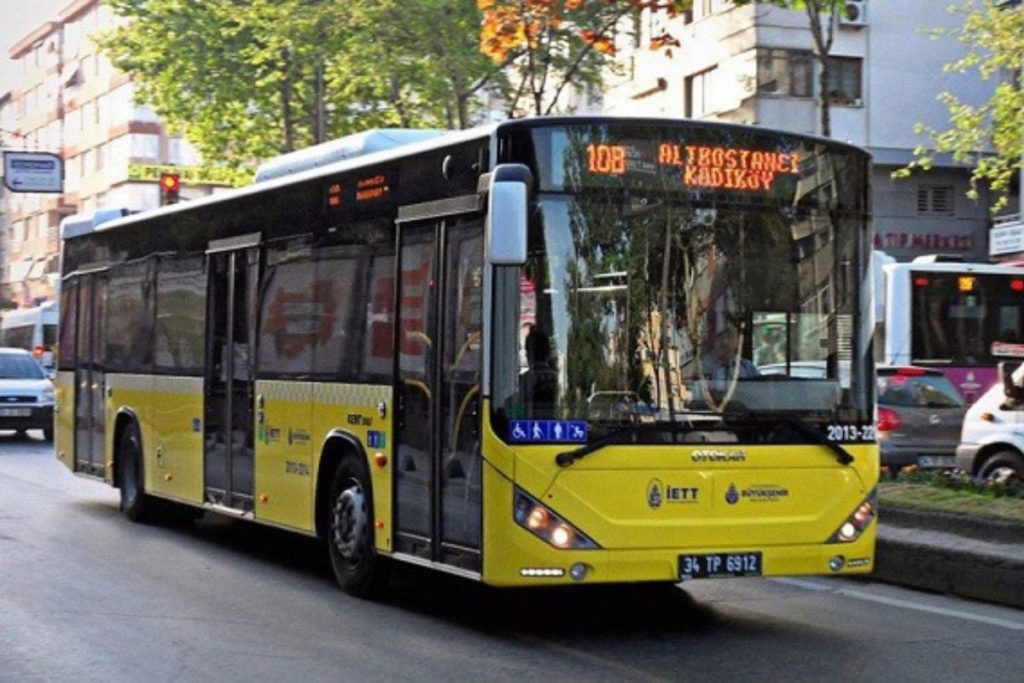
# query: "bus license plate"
15 412
719 565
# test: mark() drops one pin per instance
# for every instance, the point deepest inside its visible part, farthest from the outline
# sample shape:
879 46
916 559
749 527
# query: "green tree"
249 79
415 63
993 33
822 19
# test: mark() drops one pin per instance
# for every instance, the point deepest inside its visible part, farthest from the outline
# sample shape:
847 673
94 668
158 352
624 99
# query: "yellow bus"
521 354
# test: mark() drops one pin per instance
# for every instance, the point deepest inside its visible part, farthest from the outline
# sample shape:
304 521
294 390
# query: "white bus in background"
32 329
960 318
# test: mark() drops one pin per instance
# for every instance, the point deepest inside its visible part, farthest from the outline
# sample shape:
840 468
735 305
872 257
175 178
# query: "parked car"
992 438
919 417
26 393
618 406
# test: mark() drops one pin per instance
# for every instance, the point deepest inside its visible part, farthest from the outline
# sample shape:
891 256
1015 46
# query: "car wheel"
134 501
48 433
1002 465
357 567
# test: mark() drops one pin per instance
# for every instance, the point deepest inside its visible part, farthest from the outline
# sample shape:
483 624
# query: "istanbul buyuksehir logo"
732 496
654 494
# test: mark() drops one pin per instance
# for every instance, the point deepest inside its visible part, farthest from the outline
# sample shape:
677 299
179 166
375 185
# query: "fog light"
836 563
578 571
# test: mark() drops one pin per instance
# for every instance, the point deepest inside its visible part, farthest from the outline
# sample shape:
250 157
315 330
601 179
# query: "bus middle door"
228 446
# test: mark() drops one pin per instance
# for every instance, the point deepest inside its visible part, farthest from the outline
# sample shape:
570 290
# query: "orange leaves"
600 42
502 31
511 25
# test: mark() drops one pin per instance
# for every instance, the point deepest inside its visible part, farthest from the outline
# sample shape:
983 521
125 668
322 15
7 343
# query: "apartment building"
70 100
755 65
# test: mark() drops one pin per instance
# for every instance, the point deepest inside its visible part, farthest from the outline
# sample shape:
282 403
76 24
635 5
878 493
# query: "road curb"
951 554
943 570
962 525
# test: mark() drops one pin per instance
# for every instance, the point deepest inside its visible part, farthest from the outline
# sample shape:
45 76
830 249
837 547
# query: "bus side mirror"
508 197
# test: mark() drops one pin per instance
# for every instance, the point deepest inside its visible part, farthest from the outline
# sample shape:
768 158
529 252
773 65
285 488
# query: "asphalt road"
86 595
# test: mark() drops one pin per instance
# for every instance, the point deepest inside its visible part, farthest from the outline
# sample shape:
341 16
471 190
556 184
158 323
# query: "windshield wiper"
567 458
842 455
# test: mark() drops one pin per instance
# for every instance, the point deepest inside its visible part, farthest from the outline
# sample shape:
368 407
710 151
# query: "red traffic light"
170 184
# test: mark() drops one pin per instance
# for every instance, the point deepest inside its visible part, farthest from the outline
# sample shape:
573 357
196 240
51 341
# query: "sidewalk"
951 554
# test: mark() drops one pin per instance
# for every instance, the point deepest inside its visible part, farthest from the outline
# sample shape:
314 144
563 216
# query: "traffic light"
170 185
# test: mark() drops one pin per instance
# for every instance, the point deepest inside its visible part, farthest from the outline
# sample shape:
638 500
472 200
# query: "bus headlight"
851 529
542 522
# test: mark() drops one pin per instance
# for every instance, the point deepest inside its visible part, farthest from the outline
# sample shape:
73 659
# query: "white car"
992 437
26 393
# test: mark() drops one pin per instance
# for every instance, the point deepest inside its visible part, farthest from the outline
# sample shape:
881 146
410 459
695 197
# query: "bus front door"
228 447
90 380
437 390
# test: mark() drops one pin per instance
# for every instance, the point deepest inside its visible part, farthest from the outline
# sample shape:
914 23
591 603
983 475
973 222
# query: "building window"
785 72
145 146
844 81
935 200
698 93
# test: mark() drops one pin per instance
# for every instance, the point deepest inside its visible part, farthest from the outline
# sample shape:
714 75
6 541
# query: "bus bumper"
549 566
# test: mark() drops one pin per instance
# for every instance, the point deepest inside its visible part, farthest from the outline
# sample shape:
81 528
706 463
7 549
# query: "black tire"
137 506
1002 464
48 433
358 569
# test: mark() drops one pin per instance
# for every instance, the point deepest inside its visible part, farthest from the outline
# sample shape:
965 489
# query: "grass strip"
961 502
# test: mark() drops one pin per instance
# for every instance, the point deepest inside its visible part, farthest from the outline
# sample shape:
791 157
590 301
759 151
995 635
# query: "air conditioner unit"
854 14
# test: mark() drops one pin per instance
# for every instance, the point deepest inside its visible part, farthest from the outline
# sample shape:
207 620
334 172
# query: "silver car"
919 417
26 393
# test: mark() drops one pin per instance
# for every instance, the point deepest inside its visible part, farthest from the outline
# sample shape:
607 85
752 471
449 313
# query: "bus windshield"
645 301
967 319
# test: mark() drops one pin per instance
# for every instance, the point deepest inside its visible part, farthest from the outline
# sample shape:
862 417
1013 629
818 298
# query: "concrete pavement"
951 554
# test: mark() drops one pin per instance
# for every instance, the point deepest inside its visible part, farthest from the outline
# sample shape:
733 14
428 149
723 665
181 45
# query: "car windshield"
638 306
17 366
921 391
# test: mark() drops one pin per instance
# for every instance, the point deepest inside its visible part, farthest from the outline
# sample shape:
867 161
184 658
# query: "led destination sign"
701 166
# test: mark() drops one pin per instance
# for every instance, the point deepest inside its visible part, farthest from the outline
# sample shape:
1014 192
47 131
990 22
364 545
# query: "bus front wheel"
134 501
357 567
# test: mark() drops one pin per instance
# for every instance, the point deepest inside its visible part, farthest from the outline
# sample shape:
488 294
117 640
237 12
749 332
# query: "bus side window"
336 301
288 329
180 330
66 331
129 335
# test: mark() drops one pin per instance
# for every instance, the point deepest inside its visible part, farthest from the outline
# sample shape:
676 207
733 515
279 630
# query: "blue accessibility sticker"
547 431
375 439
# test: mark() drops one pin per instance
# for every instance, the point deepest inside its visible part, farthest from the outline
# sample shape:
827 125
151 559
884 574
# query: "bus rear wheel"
137 506
358 569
